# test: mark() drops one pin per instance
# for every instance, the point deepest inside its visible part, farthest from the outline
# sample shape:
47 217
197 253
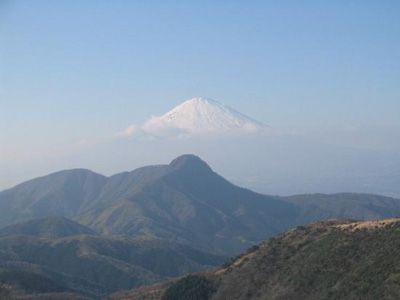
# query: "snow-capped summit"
198 116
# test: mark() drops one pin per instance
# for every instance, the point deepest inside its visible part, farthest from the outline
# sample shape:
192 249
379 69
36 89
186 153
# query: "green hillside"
90 265
184 201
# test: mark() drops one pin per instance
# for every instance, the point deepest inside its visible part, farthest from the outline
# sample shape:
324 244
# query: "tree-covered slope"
59 194
184 201
88 264
326 260
50 227
195 205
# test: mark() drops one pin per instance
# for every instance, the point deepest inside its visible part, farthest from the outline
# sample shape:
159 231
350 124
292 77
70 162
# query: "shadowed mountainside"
51 227
91 265
185 201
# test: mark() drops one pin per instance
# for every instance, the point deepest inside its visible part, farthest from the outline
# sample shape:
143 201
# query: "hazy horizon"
74 75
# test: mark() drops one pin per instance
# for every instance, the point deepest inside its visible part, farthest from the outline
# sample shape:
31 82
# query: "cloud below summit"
198 117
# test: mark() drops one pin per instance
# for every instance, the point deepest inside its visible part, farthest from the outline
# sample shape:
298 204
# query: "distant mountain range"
278 159
326 260
184 201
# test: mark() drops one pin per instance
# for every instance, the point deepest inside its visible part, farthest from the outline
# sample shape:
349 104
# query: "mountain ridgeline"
184 201
325 260
58 255
76 234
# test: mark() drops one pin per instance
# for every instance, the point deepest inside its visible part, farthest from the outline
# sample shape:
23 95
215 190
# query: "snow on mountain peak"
198 116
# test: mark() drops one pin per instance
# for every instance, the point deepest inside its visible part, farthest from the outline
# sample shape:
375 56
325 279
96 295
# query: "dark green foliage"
192 287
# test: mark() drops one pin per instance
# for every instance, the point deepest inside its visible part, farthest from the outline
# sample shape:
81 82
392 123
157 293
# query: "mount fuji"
198 116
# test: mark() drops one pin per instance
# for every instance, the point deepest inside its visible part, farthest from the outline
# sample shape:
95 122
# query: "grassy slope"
320 261
326 260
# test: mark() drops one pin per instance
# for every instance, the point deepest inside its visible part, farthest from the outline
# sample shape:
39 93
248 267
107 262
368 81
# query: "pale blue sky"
81 69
